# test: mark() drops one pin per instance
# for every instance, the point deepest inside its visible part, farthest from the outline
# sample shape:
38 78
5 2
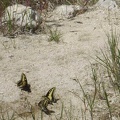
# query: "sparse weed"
107 101
6 114
5 45
111 60
88 100
55 35
9 44
61 114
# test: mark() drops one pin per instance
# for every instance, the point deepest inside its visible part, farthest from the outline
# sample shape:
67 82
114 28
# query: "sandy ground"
48 64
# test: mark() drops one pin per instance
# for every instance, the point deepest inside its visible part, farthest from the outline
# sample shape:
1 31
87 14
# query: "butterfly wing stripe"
50 93
19 83
24 80
50 96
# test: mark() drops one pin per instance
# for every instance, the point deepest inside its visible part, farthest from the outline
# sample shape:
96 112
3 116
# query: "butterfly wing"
43 105
23 82
19 83
50 94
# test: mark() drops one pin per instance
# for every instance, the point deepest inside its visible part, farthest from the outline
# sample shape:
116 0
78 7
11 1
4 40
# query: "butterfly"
50 96
43 105
23 84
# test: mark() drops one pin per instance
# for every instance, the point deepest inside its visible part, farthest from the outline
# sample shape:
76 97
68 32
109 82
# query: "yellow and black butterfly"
50 96
43 105
23 84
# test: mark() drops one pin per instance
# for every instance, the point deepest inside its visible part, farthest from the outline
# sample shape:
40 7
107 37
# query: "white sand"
48 64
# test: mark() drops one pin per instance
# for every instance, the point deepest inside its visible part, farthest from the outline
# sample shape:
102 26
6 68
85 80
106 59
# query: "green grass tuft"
55 35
